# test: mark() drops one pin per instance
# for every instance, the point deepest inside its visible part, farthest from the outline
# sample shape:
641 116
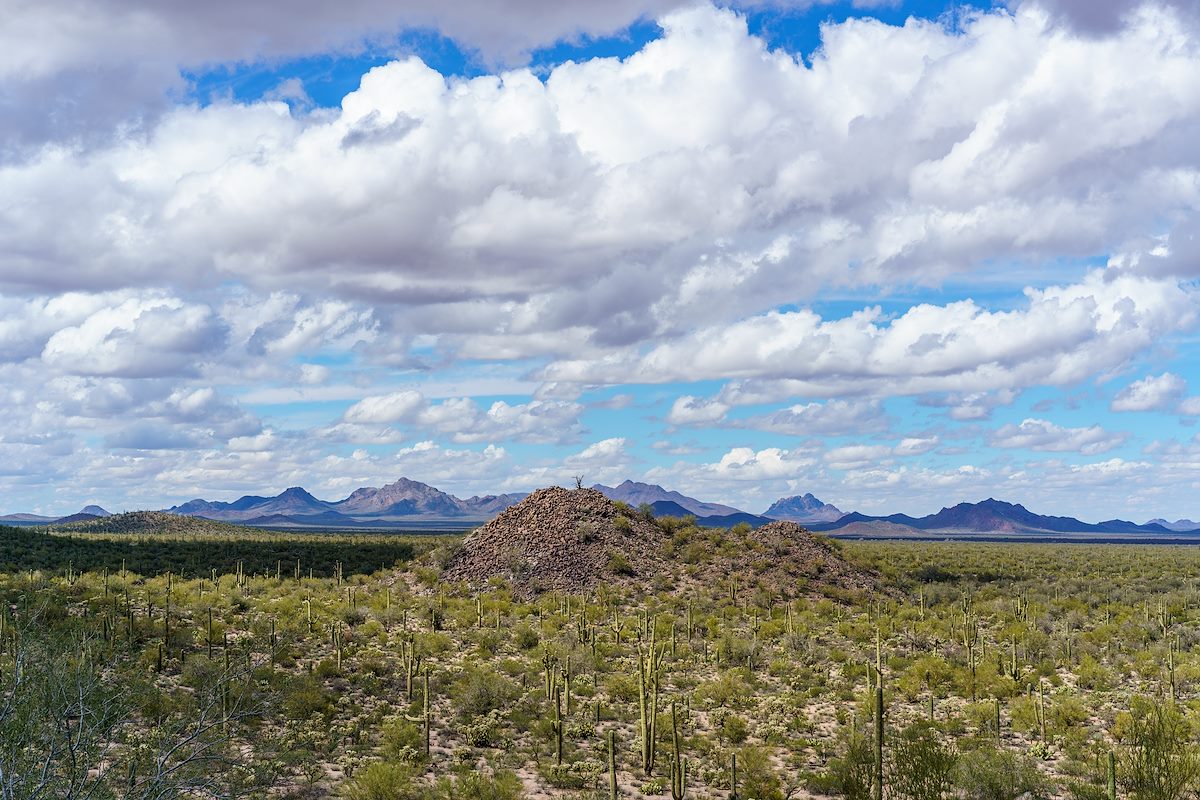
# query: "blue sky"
899 255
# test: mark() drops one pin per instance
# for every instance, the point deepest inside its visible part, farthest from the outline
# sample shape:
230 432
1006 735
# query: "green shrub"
922 767
402 740
848 774
618 563
654 786
484 732
756 777
1159 762
525 637
734 729
383 781
305 696
480 690
473 785
991 774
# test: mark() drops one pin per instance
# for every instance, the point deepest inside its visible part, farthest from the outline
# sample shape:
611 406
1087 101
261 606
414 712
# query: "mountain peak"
635 493
401 497
803 508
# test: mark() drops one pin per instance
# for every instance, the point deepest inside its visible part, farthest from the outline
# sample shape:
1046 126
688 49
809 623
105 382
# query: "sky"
899 255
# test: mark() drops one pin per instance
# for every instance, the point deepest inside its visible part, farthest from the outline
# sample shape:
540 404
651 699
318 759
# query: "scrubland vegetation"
1003 671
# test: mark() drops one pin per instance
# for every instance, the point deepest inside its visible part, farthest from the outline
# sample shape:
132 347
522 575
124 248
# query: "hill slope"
560 539
156 522
576 540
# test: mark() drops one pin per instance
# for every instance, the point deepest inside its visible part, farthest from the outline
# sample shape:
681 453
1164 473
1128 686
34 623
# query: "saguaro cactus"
557 726
877 782
649 663
678 763
612 765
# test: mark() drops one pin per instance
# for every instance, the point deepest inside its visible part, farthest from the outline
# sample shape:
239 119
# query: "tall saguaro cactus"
612 765
877 782
678 763
649 664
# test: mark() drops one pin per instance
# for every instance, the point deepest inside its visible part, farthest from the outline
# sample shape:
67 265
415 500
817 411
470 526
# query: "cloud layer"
941 256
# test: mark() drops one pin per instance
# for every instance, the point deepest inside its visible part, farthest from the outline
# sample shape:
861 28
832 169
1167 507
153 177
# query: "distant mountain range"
83 515
403 503
414 505
636 493
989 516
1177 525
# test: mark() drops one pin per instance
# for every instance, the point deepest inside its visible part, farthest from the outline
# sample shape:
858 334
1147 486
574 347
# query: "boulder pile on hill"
562 540
789 560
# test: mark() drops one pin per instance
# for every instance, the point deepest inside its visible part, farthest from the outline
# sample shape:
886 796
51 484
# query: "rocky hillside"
147 522
563 540
785 557
575 540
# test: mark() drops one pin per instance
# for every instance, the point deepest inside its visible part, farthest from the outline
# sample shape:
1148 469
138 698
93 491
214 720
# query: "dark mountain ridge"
994 516
803 508
635 493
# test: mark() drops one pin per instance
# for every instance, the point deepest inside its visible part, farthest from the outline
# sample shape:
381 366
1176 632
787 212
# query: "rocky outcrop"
562 540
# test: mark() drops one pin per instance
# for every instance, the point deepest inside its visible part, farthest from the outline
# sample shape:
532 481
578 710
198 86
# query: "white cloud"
971 405
139 337
314 374
861 456
831 418
916 445
1065 335
1190 407
747 464
434 240
689 410
538 421
1044 436
1152 393
603 451
857 456
478 204
399 406
1103 16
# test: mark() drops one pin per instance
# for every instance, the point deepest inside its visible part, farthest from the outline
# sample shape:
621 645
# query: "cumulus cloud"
747 464
1044 436
689 410
1190 407
971 405
139 337
1152 393
1064 335
564 226
114 59
538 421
395 407
481 210
860 456
831 418
1105 17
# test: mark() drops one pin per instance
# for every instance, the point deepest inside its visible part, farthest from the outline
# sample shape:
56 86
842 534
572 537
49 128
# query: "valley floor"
1005 669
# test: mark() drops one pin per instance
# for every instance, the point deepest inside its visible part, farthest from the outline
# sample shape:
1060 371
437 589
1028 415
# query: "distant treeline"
24 549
